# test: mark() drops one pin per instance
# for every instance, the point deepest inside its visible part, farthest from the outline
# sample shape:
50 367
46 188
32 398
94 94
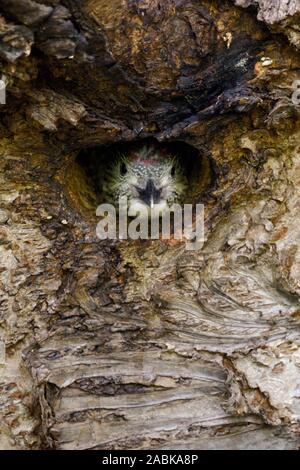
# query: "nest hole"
84 183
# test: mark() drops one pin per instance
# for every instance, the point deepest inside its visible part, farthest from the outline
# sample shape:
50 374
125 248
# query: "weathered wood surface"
283 15
146 345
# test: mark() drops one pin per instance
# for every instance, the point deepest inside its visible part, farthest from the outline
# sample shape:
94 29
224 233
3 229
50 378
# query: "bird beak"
150 194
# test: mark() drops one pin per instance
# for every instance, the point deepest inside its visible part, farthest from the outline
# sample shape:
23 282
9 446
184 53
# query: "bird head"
149 177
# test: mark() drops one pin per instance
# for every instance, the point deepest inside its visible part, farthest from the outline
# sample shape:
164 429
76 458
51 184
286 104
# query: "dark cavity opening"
94 161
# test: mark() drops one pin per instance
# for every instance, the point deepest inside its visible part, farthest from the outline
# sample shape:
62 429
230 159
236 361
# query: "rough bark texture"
143 344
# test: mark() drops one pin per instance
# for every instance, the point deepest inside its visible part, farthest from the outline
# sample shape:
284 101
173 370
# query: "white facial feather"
147 178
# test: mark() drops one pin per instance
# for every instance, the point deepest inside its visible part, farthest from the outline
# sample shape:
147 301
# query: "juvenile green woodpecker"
149 177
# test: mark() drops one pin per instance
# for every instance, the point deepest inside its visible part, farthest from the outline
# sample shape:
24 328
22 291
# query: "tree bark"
142 344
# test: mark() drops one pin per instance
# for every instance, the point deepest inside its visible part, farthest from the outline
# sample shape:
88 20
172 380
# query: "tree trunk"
142 344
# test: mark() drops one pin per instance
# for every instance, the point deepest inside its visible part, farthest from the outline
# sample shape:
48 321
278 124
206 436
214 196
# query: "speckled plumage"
148 177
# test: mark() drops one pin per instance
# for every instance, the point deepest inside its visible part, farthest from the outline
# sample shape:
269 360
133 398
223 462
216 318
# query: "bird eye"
173 170
123 169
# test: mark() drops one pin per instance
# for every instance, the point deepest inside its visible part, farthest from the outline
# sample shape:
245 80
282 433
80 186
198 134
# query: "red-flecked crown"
148 156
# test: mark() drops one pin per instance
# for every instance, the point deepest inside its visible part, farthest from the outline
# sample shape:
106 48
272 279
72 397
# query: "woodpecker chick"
149 177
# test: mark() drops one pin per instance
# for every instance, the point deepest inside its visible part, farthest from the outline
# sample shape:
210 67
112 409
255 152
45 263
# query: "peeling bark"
281 15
